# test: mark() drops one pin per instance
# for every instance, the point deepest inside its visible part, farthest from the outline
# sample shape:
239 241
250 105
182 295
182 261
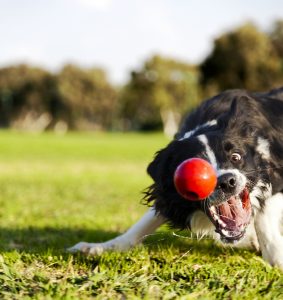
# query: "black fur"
241 117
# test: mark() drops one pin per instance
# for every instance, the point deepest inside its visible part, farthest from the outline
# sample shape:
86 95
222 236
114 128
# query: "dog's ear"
242 115
242 106
156 167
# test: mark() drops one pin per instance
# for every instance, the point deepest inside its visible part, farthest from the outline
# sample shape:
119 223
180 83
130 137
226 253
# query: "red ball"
195 179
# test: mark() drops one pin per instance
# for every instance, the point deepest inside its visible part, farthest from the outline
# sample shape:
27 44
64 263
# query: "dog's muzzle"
229 208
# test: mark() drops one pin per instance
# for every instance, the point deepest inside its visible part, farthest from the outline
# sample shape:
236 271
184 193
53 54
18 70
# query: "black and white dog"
241 135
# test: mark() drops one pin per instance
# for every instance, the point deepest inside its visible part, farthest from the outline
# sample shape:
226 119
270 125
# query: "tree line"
156 95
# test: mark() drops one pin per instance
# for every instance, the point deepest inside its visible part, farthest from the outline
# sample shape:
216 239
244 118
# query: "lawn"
58 190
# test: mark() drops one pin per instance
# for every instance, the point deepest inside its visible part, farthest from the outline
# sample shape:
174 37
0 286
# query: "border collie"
241 135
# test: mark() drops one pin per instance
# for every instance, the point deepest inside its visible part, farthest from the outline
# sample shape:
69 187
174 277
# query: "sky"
119 35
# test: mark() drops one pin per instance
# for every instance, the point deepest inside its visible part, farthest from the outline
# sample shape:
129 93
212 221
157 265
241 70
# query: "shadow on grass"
55 240
52 239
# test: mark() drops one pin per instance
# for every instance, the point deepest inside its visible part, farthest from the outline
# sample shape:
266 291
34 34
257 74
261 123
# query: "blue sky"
120 34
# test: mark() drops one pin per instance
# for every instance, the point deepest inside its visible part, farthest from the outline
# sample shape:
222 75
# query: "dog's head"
239 151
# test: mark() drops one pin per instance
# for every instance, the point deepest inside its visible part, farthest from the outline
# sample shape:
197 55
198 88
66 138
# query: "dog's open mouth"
232 217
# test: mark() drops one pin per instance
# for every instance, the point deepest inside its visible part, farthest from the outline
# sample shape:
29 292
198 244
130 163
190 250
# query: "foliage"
58 190
90 99
163 88
276 36
25 91
32 98
156 95
242 58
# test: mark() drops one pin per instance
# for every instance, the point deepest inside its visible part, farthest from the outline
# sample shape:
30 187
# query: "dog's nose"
227 183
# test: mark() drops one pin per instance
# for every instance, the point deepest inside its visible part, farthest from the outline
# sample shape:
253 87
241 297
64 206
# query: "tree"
27 95
32 98
276 36
158 94
243 58
90 98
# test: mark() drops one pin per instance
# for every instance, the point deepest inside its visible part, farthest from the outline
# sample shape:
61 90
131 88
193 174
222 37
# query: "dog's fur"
241 135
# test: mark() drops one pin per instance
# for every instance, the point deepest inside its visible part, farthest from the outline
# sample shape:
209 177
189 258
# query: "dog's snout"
227 183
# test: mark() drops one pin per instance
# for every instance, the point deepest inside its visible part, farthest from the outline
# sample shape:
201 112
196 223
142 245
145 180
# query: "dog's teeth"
216 217
213 209
214 213
225 232
221 222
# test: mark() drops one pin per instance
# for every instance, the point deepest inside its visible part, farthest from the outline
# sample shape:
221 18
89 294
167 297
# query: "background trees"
156 95
276 37
32 98
242 58
88 96
27 95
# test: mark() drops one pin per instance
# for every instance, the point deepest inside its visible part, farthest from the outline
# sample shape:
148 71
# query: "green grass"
58 190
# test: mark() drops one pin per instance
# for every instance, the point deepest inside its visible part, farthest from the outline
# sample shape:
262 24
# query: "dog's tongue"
233 213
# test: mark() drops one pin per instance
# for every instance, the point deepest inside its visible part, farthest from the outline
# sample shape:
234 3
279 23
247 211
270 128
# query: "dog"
241 135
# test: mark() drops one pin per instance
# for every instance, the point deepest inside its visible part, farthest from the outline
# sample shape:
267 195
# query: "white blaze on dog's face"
229 207
240 182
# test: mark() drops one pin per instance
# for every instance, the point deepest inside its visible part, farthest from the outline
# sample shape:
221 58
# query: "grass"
58 190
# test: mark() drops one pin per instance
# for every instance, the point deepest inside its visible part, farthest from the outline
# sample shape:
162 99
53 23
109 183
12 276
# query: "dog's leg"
146 225
268 225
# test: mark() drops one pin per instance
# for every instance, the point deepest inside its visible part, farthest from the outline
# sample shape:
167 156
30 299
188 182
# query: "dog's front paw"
87 248
277 260
273 254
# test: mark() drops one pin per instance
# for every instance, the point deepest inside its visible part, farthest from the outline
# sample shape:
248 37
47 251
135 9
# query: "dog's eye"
236 157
